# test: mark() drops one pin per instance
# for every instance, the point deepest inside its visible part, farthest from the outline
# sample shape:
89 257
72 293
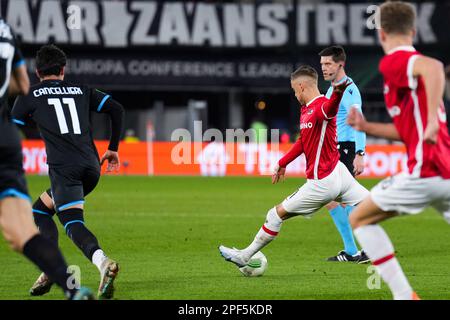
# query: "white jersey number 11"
60 114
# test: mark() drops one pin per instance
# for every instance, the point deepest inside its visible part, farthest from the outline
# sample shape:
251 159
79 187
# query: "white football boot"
109 272
233 255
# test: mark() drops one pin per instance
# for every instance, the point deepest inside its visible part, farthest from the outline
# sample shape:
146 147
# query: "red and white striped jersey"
318 137
406 102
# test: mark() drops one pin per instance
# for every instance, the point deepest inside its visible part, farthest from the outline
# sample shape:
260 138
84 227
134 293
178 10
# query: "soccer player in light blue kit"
351 145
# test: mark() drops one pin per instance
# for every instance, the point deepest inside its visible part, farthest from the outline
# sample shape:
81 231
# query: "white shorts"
408 195
339 186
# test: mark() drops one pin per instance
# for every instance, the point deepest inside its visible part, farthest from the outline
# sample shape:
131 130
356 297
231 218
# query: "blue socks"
340 218
348 209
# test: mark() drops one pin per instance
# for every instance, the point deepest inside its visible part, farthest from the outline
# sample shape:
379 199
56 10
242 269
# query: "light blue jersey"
350 99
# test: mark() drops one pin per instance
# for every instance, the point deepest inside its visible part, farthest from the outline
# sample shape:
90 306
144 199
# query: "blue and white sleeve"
360 137
355 101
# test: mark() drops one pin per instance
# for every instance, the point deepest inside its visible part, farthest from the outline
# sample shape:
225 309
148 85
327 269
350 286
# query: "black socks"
46 255
43 217
73 222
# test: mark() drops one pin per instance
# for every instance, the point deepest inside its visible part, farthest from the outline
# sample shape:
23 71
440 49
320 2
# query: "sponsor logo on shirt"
306 125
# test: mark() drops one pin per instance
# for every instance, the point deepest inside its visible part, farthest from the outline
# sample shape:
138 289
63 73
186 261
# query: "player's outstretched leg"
379 248
43 213
19 230
73 222
265 235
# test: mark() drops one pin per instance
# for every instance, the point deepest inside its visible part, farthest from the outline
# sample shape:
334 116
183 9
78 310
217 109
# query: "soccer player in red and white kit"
413 90
327 178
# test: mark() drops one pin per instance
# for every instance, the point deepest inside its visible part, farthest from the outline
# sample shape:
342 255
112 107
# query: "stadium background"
225 63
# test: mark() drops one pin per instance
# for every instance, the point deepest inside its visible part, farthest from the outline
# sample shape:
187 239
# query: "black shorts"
12 176
69 185
347 152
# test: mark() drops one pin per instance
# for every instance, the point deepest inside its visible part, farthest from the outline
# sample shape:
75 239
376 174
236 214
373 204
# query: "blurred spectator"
285 137
130 136
260 129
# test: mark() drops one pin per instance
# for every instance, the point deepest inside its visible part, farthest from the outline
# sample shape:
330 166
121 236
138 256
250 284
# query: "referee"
351 145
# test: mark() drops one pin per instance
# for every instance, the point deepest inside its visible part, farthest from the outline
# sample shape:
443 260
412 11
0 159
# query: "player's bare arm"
116 112
19 83
382 130
432 73
280 169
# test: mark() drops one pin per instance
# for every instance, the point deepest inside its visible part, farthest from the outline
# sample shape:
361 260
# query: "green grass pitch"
164 232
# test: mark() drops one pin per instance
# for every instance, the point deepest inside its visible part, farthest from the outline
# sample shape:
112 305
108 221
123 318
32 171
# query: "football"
256 266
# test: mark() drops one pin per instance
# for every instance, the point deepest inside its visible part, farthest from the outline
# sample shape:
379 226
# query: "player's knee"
281 212
12 237
15 245
12 242
41 208
355 221
47 200
15 228
332 205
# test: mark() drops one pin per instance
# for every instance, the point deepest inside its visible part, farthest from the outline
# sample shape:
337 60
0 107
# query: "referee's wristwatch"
360 153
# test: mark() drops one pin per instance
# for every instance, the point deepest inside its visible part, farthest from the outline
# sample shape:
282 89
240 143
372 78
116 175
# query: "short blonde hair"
397 17
305 71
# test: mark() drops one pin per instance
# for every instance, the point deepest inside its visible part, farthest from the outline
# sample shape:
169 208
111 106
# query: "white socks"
266 234
378 247
98 257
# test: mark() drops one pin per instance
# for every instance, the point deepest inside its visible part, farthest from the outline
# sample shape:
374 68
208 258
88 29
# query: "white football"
256 266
